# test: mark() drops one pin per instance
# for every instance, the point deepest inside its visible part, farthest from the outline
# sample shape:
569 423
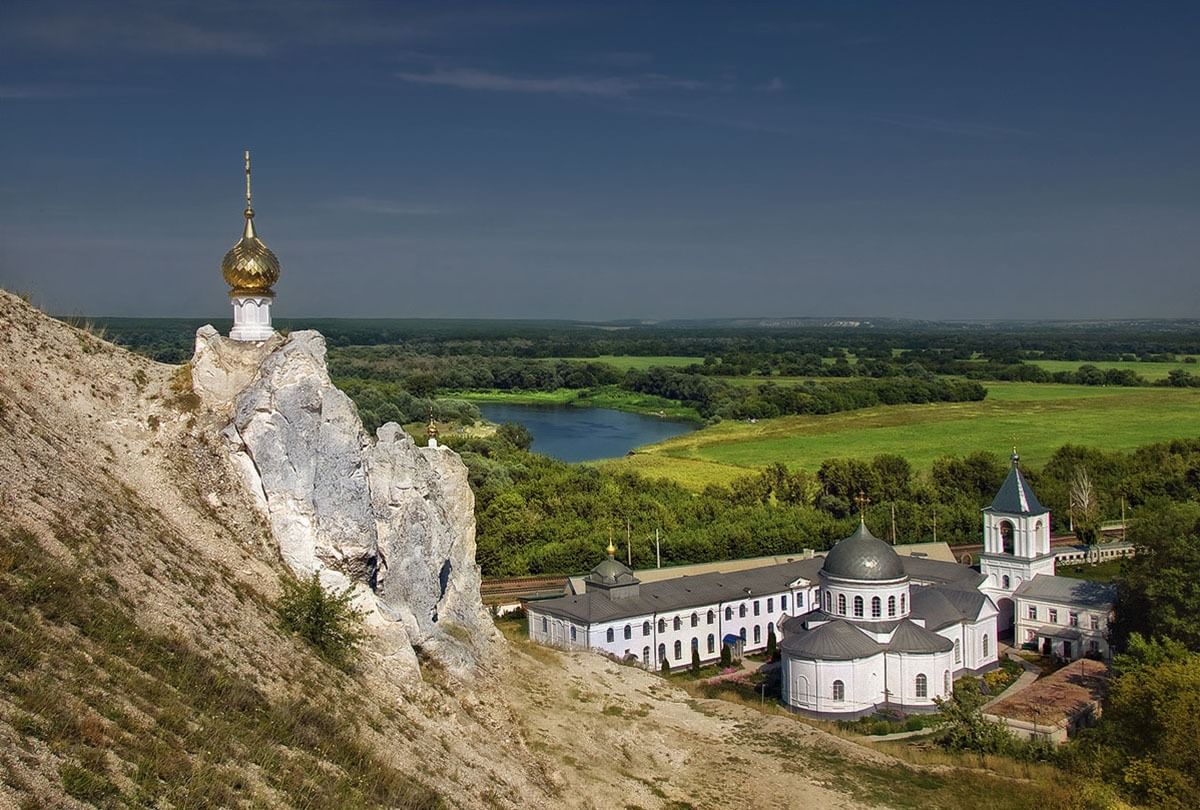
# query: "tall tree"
1158 590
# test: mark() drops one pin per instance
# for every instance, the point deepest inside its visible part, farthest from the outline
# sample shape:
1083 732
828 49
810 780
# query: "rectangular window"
1033 612
783 602
1073 619
1095 622
770 605
755 607
1053 615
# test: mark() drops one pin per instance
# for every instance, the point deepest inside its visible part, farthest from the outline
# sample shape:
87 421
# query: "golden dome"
250 267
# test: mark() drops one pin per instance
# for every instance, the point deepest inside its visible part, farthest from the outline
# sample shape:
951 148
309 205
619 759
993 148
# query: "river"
585 434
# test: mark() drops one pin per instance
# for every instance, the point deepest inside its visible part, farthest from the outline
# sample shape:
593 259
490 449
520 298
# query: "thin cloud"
774 85
601 86
949 127
625 59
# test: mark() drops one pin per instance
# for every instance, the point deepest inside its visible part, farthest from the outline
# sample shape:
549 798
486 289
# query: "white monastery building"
859 629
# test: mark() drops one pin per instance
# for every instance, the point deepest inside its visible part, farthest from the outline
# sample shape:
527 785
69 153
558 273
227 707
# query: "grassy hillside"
1037 417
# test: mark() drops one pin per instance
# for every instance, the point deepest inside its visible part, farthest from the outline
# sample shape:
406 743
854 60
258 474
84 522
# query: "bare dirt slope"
141 662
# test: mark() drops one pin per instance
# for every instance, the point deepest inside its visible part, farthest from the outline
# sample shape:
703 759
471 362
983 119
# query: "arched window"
770 628
712 643
678 623
743 635
711 617
957 651
842 604
858 607
695 620
662 652
741 611
828 602
678 650
757 634
891 605
922 686
902 609
645 628
876 607
728 613
662 625
545 628
987 647
696 644
1006 536
645 656
573 633
946 684
628 632
1005 582
608 635
839 691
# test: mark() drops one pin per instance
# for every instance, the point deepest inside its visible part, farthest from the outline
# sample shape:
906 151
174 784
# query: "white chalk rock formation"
390 519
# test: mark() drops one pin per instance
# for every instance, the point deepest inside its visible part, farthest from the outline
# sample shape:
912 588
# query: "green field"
1149 371
1038 417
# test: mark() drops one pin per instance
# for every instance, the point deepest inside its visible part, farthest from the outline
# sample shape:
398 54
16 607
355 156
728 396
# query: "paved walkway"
1031 674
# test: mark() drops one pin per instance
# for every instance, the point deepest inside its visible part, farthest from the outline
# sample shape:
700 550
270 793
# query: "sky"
606 160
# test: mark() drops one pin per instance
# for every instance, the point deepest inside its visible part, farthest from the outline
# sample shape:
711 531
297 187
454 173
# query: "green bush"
323 619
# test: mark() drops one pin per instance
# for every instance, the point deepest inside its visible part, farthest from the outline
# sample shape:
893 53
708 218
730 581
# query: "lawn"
1037 417
1101 572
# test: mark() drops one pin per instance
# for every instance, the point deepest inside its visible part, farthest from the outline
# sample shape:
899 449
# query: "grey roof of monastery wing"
1068 591
863 556
837 640
942 607
940 572
1016 496
912 638
681 593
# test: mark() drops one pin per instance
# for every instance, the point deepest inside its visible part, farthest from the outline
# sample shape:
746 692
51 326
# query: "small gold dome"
250 267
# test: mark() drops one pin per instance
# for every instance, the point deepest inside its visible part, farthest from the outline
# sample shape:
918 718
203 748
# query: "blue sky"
606 160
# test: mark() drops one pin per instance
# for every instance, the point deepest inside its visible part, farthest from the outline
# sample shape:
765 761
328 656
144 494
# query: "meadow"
1150 371
1038 418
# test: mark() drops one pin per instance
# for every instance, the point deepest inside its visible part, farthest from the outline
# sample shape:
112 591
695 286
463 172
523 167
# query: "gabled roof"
912 638
1016 496
837 640
942 607
1068 591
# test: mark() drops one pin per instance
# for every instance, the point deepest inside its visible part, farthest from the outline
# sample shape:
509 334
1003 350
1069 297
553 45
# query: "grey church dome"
863 556
611 572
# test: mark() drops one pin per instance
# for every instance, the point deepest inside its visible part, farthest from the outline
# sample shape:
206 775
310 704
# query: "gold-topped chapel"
251 270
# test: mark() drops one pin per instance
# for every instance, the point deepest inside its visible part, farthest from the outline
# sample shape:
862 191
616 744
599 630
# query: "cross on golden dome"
862 501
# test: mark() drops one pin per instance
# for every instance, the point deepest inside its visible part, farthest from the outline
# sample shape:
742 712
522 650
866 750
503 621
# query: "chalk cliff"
393 521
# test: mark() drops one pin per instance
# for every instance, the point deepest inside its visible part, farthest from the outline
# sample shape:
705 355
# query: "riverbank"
611 397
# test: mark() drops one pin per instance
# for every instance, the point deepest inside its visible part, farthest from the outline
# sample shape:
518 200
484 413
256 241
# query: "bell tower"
1016 540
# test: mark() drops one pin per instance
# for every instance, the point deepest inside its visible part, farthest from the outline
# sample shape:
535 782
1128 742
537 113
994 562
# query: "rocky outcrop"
392 520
